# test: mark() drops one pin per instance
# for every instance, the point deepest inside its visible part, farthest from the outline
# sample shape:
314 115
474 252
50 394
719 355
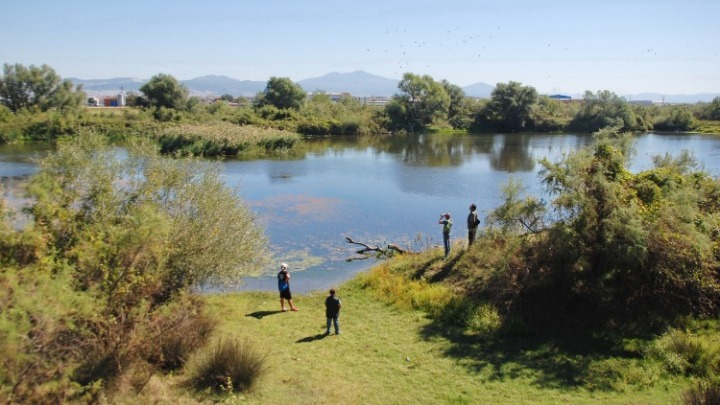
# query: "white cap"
283 265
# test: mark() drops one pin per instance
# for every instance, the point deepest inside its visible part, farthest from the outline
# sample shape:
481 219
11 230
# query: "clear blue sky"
625 46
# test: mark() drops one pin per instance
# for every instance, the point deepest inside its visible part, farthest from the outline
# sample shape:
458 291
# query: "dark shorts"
286 294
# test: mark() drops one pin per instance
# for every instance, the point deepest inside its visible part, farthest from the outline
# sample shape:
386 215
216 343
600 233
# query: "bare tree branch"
376 248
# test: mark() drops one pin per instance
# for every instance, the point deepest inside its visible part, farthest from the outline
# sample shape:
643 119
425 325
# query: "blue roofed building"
560 97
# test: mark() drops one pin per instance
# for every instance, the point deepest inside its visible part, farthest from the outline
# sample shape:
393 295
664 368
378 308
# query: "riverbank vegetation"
609 292
38 105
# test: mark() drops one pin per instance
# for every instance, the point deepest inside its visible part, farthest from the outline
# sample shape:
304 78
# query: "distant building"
117 101
93 102
641 102
338 96
560 97
374 100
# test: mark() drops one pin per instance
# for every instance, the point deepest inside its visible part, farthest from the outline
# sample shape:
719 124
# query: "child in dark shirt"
332 312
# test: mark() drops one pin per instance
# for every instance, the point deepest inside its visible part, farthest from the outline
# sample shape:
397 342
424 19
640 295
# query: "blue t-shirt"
283 283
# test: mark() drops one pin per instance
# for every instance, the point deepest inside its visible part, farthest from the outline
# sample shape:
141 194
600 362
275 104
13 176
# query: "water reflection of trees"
513 154
506 152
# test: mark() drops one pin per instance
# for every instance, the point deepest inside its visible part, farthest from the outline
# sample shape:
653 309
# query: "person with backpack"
472 224
446 222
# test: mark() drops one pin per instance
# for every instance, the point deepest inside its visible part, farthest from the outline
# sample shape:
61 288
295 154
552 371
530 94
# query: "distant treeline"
38 105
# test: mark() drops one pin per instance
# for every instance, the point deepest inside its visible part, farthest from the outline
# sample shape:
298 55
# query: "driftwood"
367 248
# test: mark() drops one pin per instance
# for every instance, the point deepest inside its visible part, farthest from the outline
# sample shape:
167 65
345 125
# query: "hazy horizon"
556 46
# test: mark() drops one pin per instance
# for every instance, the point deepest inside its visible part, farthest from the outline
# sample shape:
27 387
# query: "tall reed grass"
224 139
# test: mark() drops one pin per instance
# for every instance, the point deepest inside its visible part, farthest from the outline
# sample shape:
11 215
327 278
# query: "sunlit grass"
388 355
391 353
708 127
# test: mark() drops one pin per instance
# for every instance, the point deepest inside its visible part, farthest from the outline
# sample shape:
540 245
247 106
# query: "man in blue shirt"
284 287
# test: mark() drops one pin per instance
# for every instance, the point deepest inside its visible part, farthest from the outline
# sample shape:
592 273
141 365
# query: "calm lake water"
384 189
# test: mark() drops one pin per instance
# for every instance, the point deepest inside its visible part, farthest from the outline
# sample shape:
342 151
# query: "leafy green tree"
422 102
227 97
628 251
25 87
548 115
282 93
394 115
676 118
606 109
164 91
167 225
116 245
459 108
319 104
710 111
135 100
612 253
509 108
518 214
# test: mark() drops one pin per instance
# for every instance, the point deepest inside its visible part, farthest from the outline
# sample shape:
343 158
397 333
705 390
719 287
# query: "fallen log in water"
367 248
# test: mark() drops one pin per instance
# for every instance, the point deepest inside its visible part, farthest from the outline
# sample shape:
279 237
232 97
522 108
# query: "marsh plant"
224 139
229 365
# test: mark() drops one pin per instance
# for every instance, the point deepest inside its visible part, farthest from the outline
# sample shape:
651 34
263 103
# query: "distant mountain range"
358 83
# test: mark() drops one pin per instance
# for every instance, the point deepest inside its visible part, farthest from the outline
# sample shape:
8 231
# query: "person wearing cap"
472 224
446 222
284 287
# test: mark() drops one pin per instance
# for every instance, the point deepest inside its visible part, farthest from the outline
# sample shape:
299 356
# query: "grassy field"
390 356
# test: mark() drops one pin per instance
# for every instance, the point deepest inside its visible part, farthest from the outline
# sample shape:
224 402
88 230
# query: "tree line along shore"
37 104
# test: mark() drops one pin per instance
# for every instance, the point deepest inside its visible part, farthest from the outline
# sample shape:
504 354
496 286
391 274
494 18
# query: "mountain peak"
358 83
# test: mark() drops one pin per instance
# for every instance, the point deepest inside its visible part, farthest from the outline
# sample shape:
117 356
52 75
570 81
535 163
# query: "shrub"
94 292
676 119
141 226
230 365
43 339
457 311
315 127
684 353
703 394
176 332
484 318
244 116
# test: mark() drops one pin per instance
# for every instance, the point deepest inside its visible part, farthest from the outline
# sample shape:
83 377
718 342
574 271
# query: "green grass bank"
390 355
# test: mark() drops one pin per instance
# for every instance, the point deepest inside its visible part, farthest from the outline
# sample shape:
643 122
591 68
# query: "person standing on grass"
284 287
332 312
446 222
472 223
